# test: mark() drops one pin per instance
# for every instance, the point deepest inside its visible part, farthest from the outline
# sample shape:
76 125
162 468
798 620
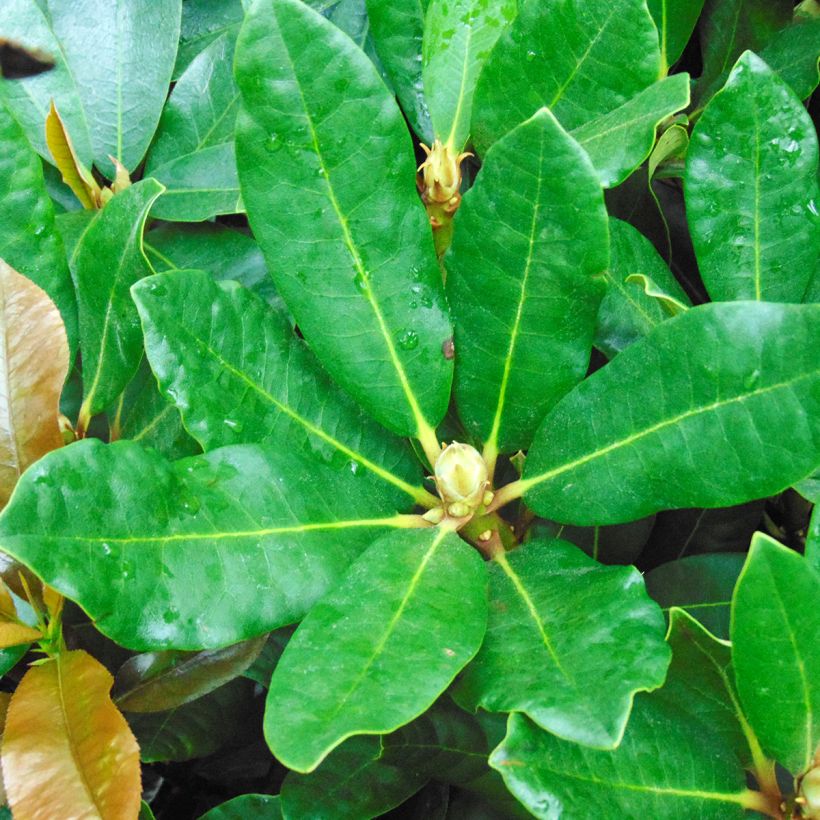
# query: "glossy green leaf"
775 624
112 90
524 281
813 539
108 260
675 20
163 545
204 21
327 176
193 150
794 53
670 305
159 681
627 313
397 28
29 241
665 768
395 649
238 373
615 544
579 58
726 391
752 191
247 807
701 585
458 37
590 634
620 140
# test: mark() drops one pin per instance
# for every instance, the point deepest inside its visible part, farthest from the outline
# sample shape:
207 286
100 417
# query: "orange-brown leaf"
33 367
5 699
14 634
67 750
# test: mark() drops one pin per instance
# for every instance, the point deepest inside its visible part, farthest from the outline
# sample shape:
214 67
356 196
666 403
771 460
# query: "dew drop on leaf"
408 339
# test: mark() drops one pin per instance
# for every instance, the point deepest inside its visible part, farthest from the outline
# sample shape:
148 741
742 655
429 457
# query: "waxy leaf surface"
327 174
751 189
590 635
524 280
107 261
247 807
421 619
33 367
717 406
67 751
675 20
794 53
775 624
238 373
200 553
579 58
204 21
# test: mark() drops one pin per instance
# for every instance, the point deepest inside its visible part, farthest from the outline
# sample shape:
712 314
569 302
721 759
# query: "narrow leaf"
730 411
751 175
73 172
775 624
355 262
67 751
395 650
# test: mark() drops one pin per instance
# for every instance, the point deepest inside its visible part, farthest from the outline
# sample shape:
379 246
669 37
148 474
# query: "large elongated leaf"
247 807
198 553
67 751
665 768
33 367
675 20
238 373
591 637
196 132
204 21
734 417
458 38
775 624
794 53
525 281
108 260
751 174
395 647
580 58
29 240
327 176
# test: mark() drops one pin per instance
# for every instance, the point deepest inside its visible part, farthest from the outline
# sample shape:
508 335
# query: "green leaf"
615 544
590 634
112 89
107 261
579 58
701 585
794 53
193 149
675 20
327 173
394 651
247 807
29 241
752 191
775 624
458 37
620 140
665 768
627 313
524 280
397 27
739 403
204 21
195 554
238 373
813 539
670 305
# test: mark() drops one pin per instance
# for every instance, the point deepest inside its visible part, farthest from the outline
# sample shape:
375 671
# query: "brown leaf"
33 367
67 750
12 631
5 699
74 173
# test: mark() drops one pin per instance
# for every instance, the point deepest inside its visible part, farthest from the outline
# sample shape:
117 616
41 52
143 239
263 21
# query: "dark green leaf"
701 585
591 637
157 553
107 261
813 539
204 21
247 807
775 624
524 280
394 650
29 241
580 58
327 175
751 189
717 406
793 52
615 544
675 20
262 668
238 373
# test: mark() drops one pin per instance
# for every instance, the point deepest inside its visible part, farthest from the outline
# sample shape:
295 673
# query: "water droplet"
234 425
190 505
360 282
273 143
354 467
39 230
752 379
530 56
408 339
106 549
813 207
156 288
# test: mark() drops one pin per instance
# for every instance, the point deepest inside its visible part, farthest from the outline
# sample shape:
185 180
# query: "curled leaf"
74 173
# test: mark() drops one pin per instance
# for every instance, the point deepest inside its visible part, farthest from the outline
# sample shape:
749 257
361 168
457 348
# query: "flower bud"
810 794
441 175
461 478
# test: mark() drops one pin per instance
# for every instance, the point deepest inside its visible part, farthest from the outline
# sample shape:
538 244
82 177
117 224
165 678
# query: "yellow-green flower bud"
461 478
